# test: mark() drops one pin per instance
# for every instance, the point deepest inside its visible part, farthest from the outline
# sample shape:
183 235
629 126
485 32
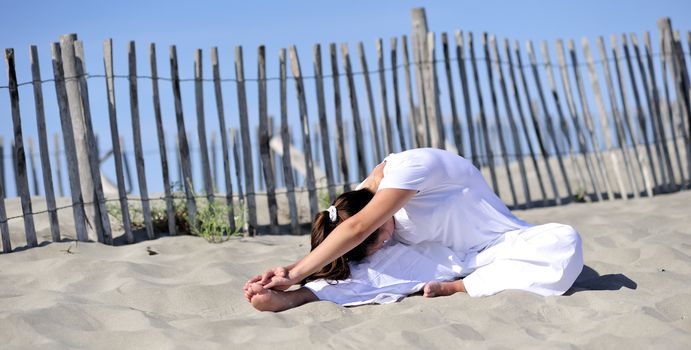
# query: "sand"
182 292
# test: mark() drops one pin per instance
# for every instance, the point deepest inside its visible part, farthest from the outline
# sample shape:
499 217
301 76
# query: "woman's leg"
275 300
544 259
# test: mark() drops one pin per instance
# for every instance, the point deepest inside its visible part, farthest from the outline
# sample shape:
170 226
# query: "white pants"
544 259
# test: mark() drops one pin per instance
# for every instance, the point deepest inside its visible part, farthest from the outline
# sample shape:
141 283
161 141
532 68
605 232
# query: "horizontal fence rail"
546 125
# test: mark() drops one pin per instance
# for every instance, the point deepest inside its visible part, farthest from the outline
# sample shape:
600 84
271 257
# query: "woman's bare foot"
441 289
272 300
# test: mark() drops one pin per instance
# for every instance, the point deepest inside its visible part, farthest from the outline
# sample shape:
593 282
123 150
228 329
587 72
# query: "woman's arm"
347 235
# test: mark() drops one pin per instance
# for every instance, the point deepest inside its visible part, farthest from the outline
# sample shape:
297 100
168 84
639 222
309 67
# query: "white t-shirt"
453 205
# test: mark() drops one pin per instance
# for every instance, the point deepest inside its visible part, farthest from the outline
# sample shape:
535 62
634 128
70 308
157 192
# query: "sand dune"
182 292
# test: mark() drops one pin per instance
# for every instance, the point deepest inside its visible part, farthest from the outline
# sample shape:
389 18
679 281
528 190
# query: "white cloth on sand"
544 259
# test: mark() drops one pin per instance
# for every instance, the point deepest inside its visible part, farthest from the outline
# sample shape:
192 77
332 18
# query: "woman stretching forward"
426 196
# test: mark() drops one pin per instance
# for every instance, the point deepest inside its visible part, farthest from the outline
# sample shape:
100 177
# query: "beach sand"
182 292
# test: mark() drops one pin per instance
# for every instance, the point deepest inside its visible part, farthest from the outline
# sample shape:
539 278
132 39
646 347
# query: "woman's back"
454 205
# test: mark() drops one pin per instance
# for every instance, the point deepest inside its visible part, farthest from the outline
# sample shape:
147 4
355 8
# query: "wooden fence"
530 126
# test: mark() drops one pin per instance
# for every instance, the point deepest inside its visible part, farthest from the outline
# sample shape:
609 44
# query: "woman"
431 195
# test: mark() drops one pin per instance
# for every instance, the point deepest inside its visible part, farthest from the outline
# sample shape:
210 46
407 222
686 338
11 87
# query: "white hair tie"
333 215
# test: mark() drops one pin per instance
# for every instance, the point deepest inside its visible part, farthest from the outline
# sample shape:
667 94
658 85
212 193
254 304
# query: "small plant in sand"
323 197
212 220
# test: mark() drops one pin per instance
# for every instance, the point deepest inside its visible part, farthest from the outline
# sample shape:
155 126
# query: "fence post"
246 144
416 137
323 123
460 56
419 37
201 125
304 120
184 150
340 144
264 150
103 230
386 122
170 210
69 143
397 103
455 124
224 137
18 149
374 128
77 116
43 145
3 182
286 143
137 140
115 138
362 169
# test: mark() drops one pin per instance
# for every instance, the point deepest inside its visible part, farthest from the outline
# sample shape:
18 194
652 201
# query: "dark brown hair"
347 205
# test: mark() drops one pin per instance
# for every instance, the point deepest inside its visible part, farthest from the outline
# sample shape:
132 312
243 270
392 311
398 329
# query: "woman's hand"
280 281
278 272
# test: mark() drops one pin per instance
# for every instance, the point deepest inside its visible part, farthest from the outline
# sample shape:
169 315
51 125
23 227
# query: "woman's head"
346 205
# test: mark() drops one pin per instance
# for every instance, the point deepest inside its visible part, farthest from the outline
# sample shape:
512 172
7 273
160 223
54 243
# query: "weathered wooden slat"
524 123
4 228
137 140
68 141
374 127
43 145
304 121
604 124
32 166
286 141
518 151
352 94
103 228
565 140
639 114
386 121
589 121
683 90
115 138
201 125
18 149
665 47
628 117
160 133
536 124
483 120
438 138
58 163
619 132
215 66
393 47
238 173
323 123
575 120
679 80
645 81
214 163
460 58
455 124
340 149
416 139
246 144
3 182
654 92
77 114
419 45
183 146
497 115
548 121
264 150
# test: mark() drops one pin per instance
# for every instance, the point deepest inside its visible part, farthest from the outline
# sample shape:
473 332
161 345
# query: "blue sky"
276 24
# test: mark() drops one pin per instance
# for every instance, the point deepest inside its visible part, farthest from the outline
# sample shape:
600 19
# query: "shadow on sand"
590 279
